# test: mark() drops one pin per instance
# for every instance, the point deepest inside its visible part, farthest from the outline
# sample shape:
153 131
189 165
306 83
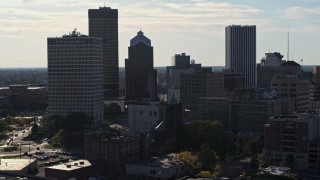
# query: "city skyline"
195 27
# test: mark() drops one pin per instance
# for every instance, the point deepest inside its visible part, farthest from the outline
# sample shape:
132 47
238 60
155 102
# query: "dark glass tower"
241 51
140 76
103 23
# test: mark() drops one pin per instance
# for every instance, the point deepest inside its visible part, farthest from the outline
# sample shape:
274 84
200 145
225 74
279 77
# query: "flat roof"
70 166
14 164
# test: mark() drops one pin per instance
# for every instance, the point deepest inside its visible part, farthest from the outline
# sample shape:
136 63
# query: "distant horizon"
119 67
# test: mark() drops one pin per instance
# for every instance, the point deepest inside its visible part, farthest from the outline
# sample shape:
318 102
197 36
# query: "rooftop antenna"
104 4
288 47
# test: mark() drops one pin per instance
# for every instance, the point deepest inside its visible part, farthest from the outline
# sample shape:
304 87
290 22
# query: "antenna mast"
288 48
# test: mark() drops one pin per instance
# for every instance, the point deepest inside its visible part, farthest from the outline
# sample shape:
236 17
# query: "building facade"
145 116
141 77
181 61
240 44
269 67
103 23
75 76
200 84
295 136
112 151
25 96
314 89
162 168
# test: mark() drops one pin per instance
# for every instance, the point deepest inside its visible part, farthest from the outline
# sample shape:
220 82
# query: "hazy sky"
195 27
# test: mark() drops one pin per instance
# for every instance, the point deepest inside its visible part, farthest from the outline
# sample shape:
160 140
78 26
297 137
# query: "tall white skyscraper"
241 51
75 76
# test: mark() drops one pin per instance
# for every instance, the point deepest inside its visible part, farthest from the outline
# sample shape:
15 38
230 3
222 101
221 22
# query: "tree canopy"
200 132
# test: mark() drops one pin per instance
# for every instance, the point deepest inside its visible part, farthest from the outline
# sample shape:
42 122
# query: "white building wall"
142 117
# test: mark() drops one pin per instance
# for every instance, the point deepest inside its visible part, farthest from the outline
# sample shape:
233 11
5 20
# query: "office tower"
269 66
200 84
241 51
180 65
103 23
141 78
181 61
75 76
314 89
290 82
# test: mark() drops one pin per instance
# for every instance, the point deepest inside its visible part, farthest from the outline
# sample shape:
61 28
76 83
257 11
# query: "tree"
10 120
35 129
4 127
208 157
190 159
199 132
204 174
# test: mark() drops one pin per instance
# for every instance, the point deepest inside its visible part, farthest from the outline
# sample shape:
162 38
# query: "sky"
194 27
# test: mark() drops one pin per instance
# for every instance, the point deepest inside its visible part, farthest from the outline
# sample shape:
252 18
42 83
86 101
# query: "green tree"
208 157
190 159
204 174
58 137
199 132
10 120
35 129
4 127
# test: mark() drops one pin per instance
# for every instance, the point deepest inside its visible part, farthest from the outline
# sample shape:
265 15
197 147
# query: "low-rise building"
25 96
112 151
161 168
81 169
21 166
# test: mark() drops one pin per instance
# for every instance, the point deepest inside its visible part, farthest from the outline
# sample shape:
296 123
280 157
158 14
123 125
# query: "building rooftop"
14 164
71 165
163 162
140 38
74 33
290 63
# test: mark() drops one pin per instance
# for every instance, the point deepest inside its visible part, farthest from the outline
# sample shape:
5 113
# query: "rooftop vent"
68 166
82 162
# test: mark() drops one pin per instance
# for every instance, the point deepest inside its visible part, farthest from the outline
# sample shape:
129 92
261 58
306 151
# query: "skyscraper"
241 51
140 75
75 76
103 23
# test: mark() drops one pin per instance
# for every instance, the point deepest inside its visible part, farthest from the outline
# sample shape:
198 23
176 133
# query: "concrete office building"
200 84
290 82
103 23
269 66
181 64
241 51
25 97
141 78
75 76
244 111
296 136
181 61
314 89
